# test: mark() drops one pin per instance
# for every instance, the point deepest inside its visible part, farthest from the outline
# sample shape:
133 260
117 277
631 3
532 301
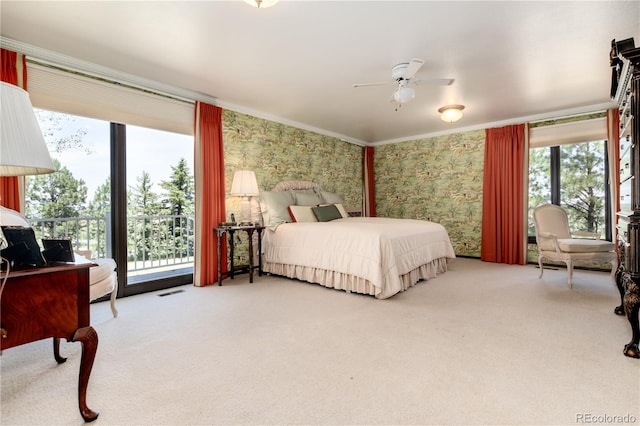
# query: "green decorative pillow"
326 213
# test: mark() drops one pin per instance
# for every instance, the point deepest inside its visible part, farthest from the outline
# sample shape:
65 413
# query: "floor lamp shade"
23 150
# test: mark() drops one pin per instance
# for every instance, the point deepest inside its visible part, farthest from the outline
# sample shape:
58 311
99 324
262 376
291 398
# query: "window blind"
70 93
573 132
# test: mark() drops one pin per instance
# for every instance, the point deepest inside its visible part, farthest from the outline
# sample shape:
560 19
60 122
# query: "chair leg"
614 269
540 266
114 294
570 270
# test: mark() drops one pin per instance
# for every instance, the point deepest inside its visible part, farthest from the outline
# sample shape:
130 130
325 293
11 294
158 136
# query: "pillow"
21 236
340 208
302 214
275 207
330 197
326 213
307 197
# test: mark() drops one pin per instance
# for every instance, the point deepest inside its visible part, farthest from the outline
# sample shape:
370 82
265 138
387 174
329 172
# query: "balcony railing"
154 243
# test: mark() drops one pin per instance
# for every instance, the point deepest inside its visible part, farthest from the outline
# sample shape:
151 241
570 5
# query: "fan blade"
380 83
434 81
413 68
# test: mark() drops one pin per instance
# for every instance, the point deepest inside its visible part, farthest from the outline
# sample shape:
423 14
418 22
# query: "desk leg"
56 351
88 337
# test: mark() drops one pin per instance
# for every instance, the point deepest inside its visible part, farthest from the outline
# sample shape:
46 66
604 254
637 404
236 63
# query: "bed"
369 255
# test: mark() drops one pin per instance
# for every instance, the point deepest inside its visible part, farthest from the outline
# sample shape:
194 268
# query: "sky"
148 150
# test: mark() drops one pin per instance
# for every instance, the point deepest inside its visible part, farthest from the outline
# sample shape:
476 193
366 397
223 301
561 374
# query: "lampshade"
451 113
261 3
244 183
404 94
23 150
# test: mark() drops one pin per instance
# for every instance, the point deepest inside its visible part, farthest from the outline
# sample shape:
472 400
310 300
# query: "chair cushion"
102 287
579 245
105 268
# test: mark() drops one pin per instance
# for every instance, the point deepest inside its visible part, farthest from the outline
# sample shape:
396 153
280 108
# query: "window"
573 176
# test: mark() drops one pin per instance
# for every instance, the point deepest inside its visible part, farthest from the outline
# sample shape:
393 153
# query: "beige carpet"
480 344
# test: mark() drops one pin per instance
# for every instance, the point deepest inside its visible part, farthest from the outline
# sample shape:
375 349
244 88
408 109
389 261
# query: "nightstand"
230 232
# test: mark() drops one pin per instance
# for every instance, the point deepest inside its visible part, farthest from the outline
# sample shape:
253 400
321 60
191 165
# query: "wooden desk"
51 301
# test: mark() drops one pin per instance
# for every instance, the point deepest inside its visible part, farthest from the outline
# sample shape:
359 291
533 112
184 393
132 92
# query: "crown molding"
69 63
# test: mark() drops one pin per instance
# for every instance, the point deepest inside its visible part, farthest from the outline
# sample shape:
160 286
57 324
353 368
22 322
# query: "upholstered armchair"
102 278
557 242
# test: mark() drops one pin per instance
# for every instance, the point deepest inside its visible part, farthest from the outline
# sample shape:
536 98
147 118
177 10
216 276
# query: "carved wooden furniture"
626 92
230 231
51 301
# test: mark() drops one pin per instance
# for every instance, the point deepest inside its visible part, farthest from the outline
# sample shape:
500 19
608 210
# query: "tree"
60 131
143 200
582 183
99 208
178 197
539 181
144 204
54 196
178 201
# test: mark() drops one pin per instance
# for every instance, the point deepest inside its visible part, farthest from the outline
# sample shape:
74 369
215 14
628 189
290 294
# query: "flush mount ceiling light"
261 3
451 113
404 94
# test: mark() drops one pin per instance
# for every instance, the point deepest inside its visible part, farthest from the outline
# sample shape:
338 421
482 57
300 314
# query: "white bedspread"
379 250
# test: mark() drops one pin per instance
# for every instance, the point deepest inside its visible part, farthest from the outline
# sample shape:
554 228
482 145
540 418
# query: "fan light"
451 113
261 4
404 94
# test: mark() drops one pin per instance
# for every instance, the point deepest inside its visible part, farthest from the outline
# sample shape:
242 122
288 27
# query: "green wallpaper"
437 179
278 152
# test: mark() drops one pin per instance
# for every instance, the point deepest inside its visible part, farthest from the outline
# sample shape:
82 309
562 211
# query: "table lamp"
244 185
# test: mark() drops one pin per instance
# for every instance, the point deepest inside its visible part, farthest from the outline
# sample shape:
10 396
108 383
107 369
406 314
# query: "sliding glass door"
118 191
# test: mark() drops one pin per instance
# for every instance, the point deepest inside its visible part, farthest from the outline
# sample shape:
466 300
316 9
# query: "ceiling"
296 62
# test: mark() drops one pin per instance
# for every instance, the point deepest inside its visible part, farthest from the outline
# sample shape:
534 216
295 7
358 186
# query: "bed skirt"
350 283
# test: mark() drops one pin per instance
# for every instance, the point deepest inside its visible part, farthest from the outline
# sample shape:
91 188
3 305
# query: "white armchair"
103 278
556 242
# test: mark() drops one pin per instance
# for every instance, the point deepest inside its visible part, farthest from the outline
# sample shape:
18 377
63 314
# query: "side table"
230 232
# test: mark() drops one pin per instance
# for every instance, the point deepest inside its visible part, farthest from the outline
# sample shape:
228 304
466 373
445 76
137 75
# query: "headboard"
274 204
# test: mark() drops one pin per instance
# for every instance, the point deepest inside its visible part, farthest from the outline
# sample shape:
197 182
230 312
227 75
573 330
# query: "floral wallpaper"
277 152
437 179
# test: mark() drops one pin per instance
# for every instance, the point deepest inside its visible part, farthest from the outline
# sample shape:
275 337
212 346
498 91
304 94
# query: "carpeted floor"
482 344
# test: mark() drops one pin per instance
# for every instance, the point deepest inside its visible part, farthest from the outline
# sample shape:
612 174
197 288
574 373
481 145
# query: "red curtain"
369 185
10 72
503 192
209 193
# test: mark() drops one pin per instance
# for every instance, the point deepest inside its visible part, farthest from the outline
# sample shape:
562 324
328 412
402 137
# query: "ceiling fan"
402 75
